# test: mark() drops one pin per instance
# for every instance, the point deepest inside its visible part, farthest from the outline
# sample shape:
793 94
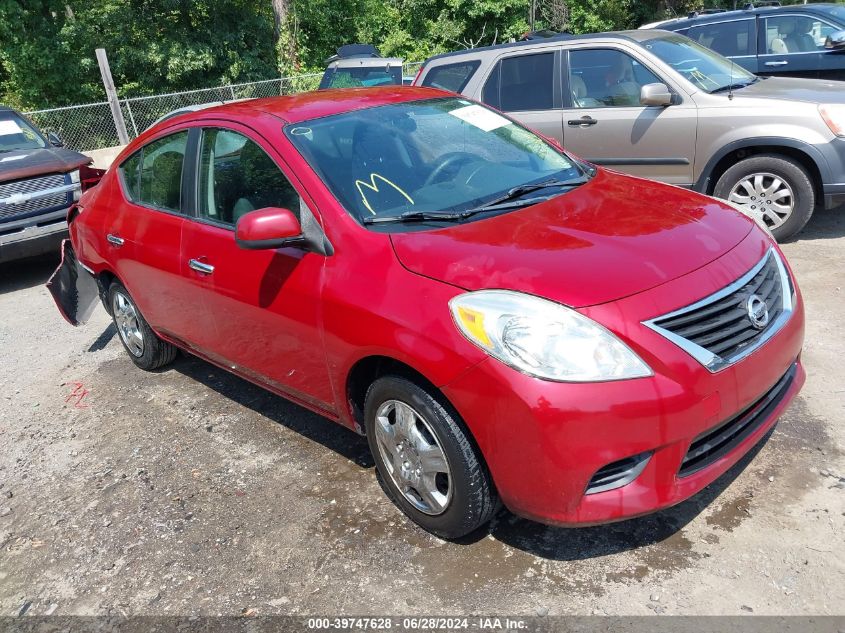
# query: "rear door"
526 85
257 311
605 123
145 231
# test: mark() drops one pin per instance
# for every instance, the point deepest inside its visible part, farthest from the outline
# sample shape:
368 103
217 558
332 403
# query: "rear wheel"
773 189
425 460
144 347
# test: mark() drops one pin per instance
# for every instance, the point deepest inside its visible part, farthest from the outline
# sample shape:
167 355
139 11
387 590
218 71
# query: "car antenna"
731 85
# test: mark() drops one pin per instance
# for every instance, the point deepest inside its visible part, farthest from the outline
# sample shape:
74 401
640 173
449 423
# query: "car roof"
725 16
304 106
628 36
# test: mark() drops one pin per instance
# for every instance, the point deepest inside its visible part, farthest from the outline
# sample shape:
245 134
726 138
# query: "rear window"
451 77
363 77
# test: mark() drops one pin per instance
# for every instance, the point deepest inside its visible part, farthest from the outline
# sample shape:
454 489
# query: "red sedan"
502 320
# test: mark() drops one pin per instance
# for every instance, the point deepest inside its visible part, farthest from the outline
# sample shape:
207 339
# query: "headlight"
834 116
74 179
542 338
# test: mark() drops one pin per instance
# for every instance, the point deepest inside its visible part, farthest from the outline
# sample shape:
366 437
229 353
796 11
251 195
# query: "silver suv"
658 105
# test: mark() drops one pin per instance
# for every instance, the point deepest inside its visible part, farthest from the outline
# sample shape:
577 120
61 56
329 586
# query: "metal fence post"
131 117
111 93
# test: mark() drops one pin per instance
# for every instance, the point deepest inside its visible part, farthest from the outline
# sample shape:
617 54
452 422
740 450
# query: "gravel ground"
190 491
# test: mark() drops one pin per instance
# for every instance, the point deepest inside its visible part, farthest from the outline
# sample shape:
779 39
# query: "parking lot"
190 491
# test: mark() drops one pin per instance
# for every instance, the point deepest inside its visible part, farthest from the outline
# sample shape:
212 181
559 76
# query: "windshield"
418 157
706 69
15 133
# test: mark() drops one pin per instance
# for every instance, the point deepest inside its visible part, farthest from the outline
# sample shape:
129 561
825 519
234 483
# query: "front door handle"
780 63
200 267
584 121
115 240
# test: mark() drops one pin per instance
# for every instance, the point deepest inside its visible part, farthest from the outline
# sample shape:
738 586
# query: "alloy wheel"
413 457
766 197
126 319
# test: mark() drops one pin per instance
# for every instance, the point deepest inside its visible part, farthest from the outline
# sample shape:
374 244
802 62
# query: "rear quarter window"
452 77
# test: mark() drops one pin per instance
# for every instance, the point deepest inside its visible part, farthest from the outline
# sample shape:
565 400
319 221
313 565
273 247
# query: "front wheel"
145 349
425 460
772 189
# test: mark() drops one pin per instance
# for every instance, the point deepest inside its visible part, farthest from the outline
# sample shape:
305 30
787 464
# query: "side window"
522 83
153 174
730 39
237 176
452 77
602 78
795 34
130 170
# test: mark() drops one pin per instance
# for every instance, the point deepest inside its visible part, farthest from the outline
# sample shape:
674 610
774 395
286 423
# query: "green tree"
47 53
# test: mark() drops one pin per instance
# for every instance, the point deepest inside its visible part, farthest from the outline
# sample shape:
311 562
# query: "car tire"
144 347
450 504
739 184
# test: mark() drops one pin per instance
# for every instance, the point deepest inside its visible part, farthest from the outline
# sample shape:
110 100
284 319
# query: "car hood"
612 237
38 162
794 89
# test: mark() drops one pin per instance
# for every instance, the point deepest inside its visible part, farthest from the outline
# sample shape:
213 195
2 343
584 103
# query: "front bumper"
544 442
33 236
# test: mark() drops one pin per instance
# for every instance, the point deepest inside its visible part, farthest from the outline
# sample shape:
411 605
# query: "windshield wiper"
512 196
733 86
510 199
414 216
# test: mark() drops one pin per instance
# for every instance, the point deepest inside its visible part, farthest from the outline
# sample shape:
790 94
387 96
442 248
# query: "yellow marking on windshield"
372 186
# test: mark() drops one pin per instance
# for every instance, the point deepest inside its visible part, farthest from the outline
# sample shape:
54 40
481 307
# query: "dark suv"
805 40
39 180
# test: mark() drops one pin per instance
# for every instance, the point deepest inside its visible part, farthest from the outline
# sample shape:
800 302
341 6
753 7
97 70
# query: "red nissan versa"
502 320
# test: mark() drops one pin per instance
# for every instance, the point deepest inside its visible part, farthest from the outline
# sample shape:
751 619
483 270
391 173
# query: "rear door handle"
780 63
584 121
200 267
115 240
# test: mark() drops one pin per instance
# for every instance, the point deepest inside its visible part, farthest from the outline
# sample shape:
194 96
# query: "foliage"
47 54
47 46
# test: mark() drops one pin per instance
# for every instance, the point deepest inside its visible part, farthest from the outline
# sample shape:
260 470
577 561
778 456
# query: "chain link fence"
91 126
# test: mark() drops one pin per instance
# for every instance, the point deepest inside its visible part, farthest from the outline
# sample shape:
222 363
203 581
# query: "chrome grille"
31 185
721 328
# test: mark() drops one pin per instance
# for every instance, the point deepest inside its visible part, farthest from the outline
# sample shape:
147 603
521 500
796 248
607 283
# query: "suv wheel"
775 190
145 349
425 460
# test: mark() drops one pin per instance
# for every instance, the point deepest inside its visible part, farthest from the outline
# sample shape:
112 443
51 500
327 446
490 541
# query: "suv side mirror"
835 41
268 228
655 95
55 139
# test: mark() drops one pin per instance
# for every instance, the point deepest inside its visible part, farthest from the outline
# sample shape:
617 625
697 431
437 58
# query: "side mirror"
55 139
835 41
268 228
655 95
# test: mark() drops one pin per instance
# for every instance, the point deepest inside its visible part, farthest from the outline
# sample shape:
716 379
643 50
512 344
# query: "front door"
257 310
604 122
